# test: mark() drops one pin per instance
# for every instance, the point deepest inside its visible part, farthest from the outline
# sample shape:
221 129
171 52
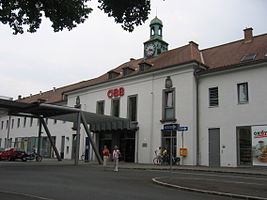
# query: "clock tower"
155 45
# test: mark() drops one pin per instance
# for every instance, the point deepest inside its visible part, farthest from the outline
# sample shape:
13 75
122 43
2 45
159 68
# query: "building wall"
229 114
148 89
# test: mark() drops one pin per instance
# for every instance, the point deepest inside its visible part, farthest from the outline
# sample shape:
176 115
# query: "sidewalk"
237 170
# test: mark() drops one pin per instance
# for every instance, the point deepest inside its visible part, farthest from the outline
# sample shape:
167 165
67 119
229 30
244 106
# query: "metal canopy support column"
50 138
90 139
76 160
39 137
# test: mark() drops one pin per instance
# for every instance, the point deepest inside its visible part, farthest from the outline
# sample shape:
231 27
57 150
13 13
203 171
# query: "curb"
232 195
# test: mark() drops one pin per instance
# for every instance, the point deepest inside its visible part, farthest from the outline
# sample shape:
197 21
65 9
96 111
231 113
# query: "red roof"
215 57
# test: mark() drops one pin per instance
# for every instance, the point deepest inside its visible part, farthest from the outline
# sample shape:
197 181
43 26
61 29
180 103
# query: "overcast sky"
35 62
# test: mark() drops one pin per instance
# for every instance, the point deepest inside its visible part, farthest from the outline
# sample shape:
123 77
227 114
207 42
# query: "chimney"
54 89
19 97
40 93
248 35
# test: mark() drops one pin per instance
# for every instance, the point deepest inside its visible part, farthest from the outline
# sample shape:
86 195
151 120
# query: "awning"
97 122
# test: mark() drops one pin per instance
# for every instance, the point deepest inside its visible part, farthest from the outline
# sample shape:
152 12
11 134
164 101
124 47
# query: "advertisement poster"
259 145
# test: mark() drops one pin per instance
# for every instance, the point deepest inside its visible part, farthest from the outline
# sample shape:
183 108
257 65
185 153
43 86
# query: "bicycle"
165 160
158 160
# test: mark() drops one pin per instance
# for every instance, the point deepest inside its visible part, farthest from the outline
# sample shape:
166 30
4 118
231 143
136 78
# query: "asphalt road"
87 182
242 185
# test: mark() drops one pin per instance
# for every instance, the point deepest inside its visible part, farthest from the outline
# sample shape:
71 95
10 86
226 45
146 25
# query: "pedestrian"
106 155
116 155
158 153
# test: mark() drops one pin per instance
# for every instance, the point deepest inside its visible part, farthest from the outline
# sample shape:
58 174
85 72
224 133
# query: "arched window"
152 31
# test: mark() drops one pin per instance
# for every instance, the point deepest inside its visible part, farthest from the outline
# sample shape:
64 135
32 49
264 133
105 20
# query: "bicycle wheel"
156 161
38 158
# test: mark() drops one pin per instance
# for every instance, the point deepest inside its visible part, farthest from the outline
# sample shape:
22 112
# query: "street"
56 182
85 182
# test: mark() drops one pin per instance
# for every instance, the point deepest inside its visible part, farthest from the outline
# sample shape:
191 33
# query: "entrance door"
214 147
167 136
244 146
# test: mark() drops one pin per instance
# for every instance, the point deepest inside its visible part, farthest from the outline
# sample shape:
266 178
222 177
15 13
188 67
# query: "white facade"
230 114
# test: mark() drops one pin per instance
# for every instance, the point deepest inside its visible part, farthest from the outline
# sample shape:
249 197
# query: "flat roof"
97 122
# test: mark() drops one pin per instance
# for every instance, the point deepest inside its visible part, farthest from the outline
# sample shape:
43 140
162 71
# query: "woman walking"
116 155
106 154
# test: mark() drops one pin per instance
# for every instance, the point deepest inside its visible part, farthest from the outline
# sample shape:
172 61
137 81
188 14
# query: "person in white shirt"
116 155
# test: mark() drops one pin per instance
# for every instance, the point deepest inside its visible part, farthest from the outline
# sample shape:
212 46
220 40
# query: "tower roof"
156 20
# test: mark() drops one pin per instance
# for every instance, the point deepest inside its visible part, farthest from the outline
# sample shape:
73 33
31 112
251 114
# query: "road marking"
24 194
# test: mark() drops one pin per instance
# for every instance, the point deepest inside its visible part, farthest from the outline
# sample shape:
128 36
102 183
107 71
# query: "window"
24 123
248 57
132 108
2 125
100 107
6 124
113 74
12 123
31 121
127 70
46 121
18 124
115 107
242 90
213 96
168 105
55 121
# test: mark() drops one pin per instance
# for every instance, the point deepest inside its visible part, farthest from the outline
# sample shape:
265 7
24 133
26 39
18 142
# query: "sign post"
183 150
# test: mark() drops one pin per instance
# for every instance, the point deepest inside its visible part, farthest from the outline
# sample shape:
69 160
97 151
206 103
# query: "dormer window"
127 70
248 57
113 74
143 66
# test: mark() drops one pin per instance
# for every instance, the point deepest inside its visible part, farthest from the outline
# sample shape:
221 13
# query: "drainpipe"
197 116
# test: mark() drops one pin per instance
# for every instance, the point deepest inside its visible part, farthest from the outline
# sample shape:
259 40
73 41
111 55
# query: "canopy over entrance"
41 110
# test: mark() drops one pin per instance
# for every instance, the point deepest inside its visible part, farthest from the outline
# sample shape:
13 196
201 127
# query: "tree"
67 14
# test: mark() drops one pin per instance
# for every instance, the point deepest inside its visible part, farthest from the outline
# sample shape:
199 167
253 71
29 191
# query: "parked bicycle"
165 160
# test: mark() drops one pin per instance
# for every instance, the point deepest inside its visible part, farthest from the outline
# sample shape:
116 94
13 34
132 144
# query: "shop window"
115 107
242 90
213 97
132 108
100 107
18 122
168 105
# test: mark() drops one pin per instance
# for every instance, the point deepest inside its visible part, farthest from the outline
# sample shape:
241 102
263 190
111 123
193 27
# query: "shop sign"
259 145
183 152
170 127
117 92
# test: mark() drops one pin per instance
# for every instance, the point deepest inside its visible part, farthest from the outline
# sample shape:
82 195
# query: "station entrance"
124 139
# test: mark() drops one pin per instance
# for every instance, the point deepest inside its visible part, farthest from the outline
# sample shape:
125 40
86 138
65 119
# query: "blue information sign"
171 127
183 128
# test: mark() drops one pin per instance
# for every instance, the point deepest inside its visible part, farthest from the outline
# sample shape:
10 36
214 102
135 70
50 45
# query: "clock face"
150 49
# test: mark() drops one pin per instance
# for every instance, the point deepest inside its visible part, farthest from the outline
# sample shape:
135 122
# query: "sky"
34 62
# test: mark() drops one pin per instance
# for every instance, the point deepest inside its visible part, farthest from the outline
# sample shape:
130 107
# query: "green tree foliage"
67 14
